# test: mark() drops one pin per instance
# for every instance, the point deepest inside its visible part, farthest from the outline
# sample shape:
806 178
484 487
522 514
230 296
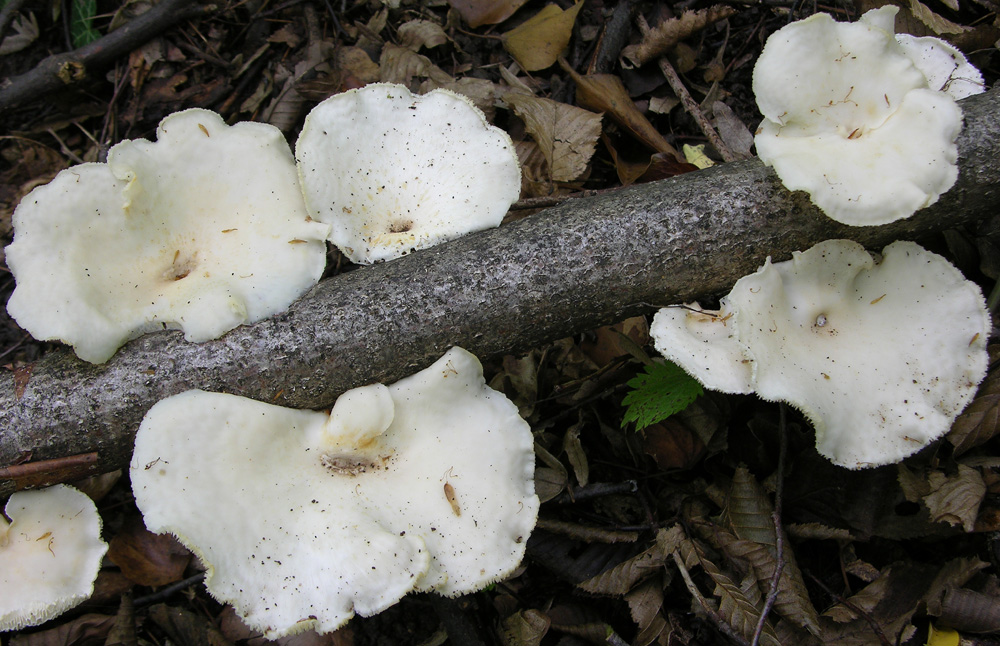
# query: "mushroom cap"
946 68
50 553
704 343
849 118
438 494
881 357
393 172
203 230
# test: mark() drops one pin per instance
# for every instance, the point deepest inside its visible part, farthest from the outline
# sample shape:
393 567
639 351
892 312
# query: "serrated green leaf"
657 393
81 23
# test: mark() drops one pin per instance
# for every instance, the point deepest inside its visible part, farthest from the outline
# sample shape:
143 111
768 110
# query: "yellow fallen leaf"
537 42
696 155
942 637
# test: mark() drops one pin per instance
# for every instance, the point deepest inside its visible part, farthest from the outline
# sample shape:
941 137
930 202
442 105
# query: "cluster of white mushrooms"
880 355
427 484
424 485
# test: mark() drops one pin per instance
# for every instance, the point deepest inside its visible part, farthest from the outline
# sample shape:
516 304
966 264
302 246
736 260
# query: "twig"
596 490
713 616
677 85
168 591
45 472
855 609
70 68
779 543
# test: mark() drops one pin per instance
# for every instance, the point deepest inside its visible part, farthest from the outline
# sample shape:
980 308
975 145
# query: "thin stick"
858 611
70 68
713 616
677 85
779 543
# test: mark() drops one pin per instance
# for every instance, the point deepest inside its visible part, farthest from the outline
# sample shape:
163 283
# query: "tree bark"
586 263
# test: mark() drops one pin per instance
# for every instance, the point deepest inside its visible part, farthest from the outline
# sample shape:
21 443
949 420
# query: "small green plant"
657 393
81 25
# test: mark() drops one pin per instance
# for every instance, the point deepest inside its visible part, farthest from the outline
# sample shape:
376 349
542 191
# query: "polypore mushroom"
203 230
304 518
850 119
50 553
880 356
393 172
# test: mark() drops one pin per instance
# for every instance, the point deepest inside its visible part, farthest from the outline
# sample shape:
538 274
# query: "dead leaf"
980 421
22 375
400 65
937 23
147 558
658 41
733 132
955 499
186 627
970 611
417 34
357 67
537 42
612 342
567 135
485 12
645 603
535 181
622 578
575 453
25 30
954 574
481 92
524 628
606 93
672 445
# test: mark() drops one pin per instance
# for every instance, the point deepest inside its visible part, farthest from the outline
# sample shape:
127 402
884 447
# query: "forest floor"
878 556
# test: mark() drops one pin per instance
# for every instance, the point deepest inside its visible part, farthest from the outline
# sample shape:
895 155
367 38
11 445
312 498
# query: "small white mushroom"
881 357
850 119
50 553
305 518
393 172
203 230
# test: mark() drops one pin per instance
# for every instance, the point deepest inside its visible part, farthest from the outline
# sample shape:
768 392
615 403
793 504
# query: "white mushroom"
50 553
305 518
393 172
203 230
881 357
850 119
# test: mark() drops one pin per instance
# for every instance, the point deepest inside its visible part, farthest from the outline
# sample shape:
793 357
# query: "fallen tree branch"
585 263
70 68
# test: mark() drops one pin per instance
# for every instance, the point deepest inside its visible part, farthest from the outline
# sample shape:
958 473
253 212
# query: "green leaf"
659 392
81 23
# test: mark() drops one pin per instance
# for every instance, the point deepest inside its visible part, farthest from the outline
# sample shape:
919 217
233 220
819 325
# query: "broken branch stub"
586 263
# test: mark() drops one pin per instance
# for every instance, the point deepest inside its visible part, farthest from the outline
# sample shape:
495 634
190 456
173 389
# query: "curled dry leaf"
147 558
400 65
537 42
485 12
979 423
658 41
606 93
567 135
417 34
935 22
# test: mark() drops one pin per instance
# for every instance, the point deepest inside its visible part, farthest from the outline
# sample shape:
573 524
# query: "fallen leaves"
537 42
566 135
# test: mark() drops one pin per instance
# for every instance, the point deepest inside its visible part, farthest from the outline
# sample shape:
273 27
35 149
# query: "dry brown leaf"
147 558
817 531
87 629
644 603
186 627
400 65
658 41
524 628
672 445
417 34
485 12
622 578
736 608
954 574
567 135
748 509
606 93
937 23
792 601
955 499
971 611
537 42
732 131
481 92
576 454
535 180
980 421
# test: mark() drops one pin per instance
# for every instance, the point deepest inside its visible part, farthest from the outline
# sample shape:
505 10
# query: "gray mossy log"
585 263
